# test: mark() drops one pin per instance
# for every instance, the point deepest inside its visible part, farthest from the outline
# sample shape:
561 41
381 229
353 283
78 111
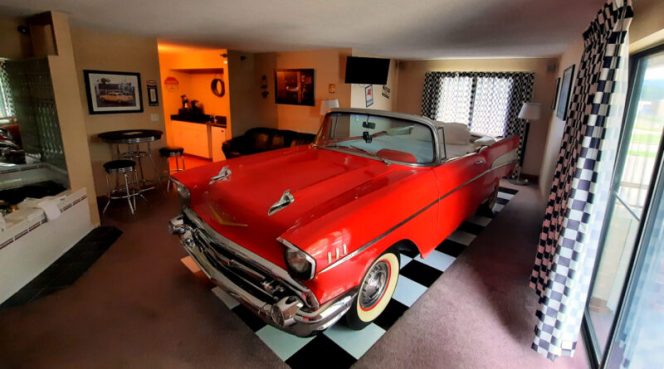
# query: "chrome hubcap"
374 285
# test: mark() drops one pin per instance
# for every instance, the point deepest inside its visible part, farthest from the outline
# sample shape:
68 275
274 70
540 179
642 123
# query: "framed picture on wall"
113 92
563 95
294 86
555 95
153 97
368 95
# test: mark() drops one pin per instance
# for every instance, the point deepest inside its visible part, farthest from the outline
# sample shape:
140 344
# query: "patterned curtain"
488 102
6 104
578 199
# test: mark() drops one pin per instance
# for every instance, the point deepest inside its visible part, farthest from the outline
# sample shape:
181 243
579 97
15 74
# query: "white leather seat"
459 141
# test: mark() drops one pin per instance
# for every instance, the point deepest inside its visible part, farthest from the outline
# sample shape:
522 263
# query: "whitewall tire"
375 291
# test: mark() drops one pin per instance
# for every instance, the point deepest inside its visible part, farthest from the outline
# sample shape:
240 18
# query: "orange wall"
196 85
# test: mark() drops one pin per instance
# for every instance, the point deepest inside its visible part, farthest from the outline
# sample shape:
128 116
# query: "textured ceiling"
415 29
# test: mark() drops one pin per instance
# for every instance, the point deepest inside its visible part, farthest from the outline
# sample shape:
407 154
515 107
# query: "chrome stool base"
129 191
168 152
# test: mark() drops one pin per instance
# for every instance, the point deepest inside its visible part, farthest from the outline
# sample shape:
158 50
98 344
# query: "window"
481 102
629 235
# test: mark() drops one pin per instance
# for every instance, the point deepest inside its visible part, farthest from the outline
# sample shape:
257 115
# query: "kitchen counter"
220 120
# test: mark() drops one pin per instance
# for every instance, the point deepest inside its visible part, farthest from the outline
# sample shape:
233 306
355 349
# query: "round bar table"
133 138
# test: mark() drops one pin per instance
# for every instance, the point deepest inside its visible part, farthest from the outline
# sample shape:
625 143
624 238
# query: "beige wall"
106 51
70 113
411 82
647 28
13 45
329 65
572 55
266 108
250 109
357 97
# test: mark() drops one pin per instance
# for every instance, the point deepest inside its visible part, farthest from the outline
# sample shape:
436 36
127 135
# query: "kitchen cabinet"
193 137
217 138
199 139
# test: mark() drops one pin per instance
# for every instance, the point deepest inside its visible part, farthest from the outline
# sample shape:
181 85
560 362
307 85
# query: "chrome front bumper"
288 313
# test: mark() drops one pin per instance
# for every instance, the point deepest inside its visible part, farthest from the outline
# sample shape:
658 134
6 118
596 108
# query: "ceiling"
413 29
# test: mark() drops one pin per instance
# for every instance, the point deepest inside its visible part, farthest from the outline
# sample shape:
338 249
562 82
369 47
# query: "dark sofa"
262 139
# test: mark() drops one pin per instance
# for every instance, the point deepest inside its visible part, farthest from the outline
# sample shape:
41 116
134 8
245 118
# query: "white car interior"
456 140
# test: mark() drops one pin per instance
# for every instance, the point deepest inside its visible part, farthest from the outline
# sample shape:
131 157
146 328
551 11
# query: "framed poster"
555 95
113 92
294 86
368 95
563 95
153 97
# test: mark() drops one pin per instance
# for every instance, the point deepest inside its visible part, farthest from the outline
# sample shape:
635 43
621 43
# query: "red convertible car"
305 235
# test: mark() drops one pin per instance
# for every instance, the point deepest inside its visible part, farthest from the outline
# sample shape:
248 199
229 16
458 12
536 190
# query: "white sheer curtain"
481 102
491 107
6 105
456 94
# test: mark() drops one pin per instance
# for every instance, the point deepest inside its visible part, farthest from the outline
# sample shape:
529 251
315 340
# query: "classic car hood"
320 181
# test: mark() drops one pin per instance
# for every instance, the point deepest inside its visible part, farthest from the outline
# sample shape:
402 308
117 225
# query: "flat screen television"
368 71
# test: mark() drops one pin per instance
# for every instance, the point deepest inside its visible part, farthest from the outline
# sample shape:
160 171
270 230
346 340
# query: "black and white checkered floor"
343 346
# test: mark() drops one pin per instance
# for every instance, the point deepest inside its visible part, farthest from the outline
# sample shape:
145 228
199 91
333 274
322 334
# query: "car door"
462 186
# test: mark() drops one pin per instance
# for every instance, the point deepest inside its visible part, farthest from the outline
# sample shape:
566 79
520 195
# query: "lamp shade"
327 105
530 111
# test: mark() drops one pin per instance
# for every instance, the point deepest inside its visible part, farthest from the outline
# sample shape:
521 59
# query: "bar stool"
172 152
129 191
137 155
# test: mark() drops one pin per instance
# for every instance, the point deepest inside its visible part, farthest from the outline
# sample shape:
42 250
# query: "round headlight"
299 263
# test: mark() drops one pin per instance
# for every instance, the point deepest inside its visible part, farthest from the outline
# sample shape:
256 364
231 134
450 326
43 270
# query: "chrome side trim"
505 159
425 208
266 266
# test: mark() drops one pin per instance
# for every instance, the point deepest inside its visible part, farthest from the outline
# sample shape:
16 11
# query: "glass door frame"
637 72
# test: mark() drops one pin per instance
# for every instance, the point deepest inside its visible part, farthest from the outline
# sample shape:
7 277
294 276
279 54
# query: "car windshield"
385 138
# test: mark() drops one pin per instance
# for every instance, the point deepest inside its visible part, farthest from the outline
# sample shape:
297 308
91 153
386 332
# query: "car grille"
241 272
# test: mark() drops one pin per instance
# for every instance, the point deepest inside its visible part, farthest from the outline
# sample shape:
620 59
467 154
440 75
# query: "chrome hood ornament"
286 199
224 175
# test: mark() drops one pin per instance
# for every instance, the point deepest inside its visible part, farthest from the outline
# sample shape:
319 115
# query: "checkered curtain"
6 103
578 199
489 102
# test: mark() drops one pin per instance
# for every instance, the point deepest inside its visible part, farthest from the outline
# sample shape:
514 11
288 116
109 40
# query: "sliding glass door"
630 217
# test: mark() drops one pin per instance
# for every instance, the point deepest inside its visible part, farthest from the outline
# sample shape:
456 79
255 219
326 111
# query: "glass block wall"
34 106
